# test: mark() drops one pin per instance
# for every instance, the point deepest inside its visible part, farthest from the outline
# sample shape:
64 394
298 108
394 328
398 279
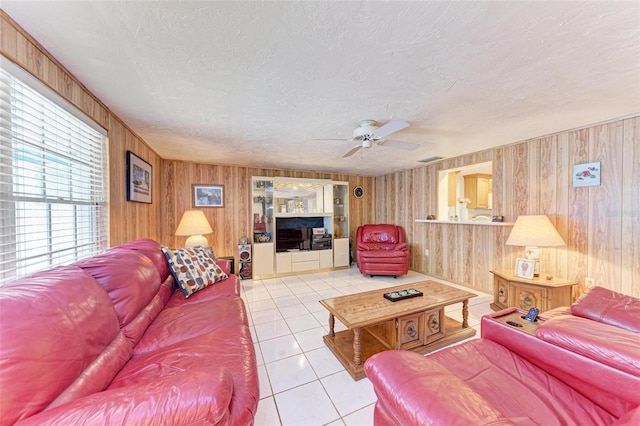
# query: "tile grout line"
273 289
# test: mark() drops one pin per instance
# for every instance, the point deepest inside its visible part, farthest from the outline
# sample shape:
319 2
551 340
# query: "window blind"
53 179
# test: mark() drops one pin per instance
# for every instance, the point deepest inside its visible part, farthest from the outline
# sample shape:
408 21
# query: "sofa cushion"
129 277
489 383
188 398
402 247
228 348
444 399
387 234
53 324
193 268
181 323
609 307
387 255
516 387
151 249
223 289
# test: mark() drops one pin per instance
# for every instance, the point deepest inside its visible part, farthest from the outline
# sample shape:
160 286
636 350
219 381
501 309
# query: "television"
294 233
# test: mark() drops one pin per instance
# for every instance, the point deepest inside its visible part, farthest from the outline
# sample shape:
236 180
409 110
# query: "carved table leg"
356 346
332 323
465 313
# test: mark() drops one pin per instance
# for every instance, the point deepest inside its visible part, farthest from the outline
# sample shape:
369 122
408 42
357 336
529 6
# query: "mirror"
466 193
299 196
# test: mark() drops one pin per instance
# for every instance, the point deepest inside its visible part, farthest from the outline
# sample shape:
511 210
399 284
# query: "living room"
530 176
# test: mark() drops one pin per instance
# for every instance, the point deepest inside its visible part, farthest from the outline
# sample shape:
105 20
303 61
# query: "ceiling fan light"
366 143
361 132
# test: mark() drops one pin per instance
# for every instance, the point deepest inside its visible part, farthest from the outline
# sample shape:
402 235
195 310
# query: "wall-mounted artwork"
208 196
139 179
587 174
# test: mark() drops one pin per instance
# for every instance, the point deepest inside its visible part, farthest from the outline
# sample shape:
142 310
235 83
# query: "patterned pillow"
193 268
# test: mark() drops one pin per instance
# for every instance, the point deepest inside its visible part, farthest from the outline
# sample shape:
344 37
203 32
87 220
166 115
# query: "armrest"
191 397
607 344
423 392
225 265
614 389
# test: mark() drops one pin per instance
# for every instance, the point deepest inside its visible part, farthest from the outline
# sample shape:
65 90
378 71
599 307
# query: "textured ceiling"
253 83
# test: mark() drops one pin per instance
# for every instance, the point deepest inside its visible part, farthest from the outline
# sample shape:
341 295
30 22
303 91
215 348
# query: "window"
469 188
53 178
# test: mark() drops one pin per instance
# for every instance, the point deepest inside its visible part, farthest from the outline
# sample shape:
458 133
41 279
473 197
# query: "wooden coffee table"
375 324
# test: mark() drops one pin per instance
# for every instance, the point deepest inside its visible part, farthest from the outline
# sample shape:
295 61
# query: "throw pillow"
193 268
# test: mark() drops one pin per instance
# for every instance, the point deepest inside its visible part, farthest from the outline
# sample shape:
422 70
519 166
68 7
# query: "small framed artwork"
208 196
587 174
525 268
139 179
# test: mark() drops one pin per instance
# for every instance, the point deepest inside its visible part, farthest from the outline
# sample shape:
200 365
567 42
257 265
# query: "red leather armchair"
381 250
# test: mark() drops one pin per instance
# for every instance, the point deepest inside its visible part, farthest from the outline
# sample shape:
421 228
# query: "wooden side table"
512 290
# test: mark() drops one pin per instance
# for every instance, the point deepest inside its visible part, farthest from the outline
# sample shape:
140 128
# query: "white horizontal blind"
53 182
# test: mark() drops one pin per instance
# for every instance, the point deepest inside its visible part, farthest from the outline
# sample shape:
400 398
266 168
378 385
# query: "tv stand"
303 260
286 211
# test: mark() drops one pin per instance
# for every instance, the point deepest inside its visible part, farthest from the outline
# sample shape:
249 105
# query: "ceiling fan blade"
353 151
400 144
391 127
330 139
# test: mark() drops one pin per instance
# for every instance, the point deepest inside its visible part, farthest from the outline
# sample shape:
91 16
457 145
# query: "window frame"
81 203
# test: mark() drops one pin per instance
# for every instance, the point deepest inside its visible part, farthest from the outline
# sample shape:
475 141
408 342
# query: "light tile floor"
301 381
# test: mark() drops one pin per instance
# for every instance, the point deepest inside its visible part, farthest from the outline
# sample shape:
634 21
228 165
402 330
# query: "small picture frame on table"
208 195
139 179
525 268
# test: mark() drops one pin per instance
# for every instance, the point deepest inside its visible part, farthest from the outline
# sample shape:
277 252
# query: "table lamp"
194 224
533 232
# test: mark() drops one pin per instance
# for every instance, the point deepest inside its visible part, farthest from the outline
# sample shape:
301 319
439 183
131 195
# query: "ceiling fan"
369 133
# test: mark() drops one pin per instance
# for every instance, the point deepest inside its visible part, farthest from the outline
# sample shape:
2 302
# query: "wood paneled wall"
129 220
235 220
172 180
601 224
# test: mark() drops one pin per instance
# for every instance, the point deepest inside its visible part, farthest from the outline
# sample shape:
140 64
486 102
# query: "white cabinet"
283 263
340 252
326 258
340 210
263 259
301 261
341 256
477 188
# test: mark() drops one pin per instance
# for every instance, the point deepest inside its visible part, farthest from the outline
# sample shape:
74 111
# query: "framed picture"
208 196
139 179
525 268
587 174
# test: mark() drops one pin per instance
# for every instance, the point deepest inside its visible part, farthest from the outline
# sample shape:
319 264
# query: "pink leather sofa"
109 340
581 366
381 250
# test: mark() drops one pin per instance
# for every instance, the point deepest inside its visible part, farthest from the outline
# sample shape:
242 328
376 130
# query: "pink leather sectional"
109 340
581 366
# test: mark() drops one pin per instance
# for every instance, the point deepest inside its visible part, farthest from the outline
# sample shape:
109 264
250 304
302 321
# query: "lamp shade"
193 222
534 231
